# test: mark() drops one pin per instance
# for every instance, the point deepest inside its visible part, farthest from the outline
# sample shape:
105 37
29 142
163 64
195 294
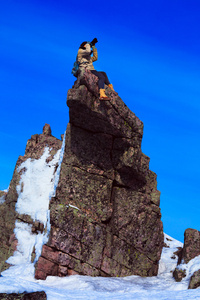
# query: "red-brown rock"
44 268
105 218
191 247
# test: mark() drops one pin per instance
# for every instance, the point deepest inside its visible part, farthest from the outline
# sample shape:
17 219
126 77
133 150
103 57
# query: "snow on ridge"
57 175
26 242
171 242
37 185
2 199
167 263
192 266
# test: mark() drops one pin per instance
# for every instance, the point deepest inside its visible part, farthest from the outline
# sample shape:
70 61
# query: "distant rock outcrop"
105 217
191 249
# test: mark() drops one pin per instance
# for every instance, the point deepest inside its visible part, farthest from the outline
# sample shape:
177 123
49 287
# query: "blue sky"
150 51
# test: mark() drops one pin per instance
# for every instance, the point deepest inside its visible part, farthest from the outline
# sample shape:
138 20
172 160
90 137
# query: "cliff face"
105 217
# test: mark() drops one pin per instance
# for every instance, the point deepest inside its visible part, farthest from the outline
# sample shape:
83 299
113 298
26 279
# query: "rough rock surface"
179 274
190 250
24 296
2 196
34 149
194 280
105 218
191 247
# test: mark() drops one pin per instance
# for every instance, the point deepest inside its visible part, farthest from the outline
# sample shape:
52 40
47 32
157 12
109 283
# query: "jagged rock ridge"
105 218
34 150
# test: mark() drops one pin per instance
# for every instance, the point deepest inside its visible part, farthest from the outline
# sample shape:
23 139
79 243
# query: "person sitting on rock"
86 62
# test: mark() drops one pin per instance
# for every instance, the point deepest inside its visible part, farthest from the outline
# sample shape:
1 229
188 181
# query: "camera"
93 42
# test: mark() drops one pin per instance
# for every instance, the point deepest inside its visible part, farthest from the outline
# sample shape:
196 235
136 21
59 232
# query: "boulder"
194 280
190 250
179 274
24 296
105 217
191 247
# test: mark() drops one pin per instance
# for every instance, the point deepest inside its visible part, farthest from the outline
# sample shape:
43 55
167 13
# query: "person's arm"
95 54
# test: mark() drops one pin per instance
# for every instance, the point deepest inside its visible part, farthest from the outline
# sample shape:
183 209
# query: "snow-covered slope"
20 278
34 200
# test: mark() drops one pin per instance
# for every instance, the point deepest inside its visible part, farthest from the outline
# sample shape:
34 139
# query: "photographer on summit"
86 62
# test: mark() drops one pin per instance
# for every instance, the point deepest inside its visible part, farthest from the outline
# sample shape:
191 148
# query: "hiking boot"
103 95
111 87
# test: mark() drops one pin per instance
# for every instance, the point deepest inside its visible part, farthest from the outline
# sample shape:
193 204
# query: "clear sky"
150 51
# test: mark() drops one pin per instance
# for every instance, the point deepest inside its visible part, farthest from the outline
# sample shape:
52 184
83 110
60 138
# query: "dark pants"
103 78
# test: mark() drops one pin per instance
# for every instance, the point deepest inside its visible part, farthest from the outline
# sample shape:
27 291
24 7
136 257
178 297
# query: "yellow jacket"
85 58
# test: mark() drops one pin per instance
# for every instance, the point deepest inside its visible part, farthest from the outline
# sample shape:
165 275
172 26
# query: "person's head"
83 45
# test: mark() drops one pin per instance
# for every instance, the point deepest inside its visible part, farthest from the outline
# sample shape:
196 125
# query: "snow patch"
167 263
57 175
192 266
161 287
26 242
2 199
35 186
72 206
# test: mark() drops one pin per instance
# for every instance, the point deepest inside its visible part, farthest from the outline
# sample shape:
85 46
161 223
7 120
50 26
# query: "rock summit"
105 217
